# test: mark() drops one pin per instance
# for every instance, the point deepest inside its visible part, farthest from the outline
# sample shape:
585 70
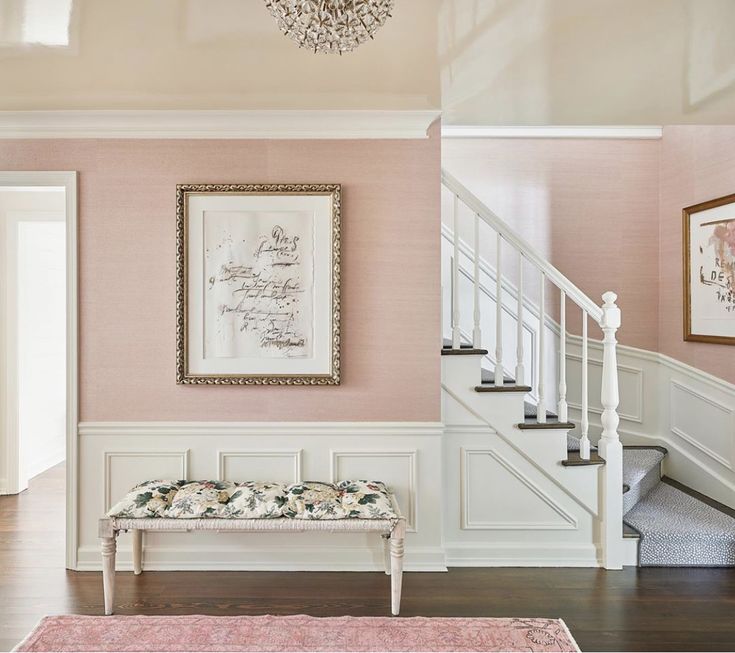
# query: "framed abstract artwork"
709 271
258 284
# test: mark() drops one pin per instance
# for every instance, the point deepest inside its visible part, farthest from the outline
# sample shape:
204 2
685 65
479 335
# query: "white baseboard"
517 554
281 558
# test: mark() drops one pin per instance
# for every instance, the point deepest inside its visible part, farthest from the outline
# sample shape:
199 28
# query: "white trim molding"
410 455
572 131
235 124
263 429
181 455
294 455
568 522
68 181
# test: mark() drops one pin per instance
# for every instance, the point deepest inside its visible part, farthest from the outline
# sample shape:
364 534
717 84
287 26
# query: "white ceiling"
587 62
483 62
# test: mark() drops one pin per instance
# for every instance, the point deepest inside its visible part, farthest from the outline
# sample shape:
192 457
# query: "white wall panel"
396 468
405 455
279 466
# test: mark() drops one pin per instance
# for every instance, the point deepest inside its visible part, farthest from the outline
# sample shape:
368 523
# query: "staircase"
519 389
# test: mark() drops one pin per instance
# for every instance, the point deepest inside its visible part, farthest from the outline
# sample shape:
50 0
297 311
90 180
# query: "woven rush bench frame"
392 531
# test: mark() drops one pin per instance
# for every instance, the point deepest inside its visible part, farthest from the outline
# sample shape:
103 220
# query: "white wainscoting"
501 510
486 473
407 455
667 403
260 465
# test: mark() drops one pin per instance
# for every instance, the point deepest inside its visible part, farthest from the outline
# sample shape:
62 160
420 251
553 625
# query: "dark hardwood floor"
634 609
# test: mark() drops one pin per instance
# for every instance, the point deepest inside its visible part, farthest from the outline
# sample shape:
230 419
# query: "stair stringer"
501 412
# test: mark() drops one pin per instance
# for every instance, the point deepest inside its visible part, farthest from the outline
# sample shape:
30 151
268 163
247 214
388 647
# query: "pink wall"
697 164
590 206
390 310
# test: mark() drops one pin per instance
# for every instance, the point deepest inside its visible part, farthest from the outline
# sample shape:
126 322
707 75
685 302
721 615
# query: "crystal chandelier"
330 25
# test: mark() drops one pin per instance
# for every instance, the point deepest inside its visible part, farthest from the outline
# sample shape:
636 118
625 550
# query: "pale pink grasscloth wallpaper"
697 164
589 206
390 274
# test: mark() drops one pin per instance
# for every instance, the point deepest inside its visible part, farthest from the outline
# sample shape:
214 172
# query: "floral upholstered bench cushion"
256 500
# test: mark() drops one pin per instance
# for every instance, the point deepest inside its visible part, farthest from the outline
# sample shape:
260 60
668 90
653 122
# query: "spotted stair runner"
675 528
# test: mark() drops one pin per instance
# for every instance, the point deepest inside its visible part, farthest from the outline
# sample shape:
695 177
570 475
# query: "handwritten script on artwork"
258 268
716 254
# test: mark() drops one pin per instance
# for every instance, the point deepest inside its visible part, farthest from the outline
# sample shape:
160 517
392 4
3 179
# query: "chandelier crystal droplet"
330 26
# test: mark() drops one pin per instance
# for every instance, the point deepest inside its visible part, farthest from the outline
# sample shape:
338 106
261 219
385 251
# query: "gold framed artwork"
709 271
258 284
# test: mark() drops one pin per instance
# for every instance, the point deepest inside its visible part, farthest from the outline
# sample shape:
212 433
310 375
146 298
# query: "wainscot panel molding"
165 464
114 456
260 459
689 412
242 124
402 479
537 501
501 509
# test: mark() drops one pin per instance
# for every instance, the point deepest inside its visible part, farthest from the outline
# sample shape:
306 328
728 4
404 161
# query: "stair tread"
506 387
468 350
637 462
574 460
678 529
531 424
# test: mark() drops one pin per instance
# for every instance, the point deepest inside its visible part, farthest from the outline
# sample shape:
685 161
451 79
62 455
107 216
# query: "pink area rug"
296 633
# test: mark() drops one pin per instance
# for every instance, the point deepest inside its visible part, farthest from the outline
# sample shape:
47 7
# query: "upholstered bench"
348 506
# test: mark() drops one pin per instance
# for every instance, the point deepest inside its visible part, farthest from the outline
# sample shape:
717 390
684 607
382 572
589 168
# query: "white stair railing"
607 316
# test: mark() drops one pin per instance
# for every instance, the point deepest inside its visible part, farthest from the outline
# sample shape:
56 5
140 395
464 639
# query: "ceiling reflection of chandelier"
331 26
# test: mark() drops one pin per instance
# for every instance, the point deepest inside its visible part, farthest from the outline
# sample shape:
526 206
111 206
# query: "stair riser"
465 369
641 489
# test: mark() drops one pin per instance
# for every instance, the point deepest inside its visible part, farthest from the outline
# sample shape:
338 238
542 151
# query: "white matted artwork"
709 271
258 284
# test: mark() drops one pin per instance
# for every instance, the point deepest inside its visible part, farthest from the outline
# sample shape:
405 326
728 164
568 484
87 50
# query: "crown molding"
610 132
245 124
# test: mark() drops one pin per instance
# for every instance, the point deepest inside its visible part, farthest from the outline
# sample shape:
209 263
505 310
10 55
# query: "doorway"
38 327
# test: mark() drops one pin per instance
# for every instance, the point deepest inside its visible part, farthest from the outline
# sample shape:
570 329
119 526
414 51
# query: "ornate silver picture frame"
258 284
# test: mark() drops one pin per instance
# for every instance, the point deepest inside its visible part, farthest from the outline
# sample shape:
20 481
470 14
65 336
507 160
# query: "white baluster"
499 313
541 407
476 332
562 409
584 441
610 447
456 333
520 372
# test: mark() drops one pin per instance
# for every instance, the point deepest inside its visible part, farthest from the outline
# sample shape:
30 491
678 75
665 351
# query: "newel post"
610 447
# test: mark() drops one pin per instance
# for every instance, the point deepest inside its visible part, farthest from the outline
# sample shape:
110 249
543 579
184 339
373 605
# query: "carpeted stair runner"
675 528
641 473
573 443
678 530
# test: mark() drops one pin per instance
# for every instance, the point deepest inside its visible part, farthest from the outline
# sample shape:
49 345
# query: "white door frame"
68 181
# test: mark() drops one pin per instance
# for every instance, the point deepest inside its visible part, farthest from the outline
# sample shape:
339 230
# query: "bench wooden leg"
396 564
109 547
386 553
137 551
